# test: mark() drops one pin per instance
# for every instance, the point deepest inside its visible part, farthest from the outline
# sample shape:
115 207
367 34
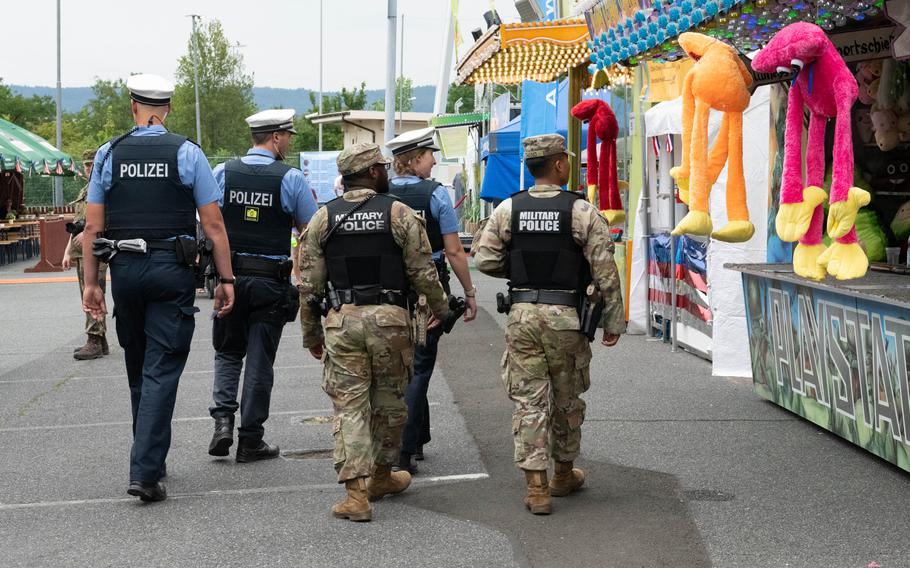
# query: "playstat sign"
836 360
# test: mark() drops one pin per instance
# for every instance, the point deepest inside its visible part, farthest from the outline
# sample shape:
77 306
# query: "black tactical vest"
362 253
253 217
147 199
543 254
417 196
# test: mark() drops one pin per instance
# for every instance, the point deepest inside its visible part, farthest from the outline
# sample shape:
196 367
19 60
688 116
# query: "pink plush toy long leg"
842 169
815 171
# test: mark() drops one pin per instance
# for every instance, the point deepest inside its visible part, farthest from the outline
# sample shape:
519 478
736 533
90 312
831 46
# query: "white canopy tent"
729 347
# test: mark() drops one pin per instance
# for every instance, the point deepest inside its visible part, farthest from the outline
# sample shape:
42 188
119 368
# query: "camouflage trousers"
368 355
546 367
92 326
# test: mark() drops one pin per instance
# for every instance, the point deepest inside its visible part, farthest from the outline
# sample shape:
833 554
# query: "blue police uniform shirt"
192 165
296 198
440 208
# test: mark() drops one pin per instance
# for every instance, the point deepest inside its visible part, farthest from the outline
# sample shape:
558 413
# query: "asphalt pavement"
684 469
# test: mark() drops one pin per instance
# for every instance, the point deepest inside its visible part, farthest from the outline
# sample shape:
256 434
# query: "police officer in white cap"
262 200
145 190
412 153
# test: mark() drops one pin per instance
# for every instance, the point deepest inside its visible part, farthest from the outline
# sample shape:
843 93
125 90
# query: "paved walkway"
684 469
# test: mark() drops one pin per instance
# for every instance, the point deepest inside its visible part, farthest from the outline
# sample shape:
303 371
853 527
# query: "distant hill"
74 98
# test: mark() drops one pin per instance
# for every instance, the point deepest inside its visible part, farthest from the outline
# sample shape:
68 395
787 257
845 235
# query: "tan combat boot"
356 507
91 349
386 482
538 498
566 480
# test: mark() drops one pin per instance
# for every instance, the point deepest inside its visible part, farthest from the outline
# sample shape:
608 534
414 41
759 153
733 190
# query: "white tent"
729 348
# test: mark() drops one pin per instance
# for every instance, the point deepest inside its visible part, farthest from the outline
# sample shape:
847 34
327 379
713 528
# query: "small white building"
369 125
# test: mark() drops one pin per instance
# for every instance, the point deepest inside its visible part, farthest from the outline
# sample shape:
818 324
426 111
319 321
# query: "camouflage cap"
545 145
359 157
88 156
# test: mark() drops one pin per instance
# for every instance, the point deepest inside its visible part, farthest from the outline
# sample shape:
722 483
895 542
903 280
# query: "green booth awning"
26 152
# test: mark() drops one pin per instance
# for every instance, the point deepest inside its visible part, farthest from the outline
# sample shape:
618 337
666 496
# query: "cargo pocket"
407 359
583 369
186 325
504 370
338 455
122 327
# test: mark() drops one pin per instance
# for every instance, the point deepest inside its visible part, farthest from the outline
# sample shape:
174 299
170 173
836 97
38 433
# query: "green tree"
225 94
463 92
26 112
403 92
307 139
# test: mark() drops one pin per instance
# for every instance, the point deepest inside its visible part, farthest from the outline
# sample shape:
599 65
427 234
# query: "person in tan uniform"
96 345
363 253
555 248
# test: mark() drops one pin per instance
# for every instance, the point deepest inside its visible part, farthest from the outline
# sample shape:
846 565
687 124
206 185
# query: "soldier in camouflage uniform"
96 344
551 245
363 252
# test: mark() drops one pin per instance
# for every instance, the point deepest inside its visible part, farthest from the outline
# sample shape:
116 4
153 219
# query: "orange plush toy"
602 176
719 81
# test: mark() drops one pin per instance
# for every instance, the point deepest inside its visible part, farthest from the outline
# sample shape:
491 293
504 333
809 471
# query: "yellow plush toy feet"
843 261
683 182
793 219
806 263
735 232
842 215
614 216
694 223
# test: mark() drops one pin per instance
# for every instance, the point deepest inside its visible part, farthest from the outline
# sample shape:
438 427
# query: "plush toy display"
602 176
828 89
719 81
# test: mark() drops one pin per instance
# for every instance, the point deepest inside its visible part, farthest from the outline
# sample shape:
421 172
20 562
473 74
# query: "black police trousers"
155 319
252 330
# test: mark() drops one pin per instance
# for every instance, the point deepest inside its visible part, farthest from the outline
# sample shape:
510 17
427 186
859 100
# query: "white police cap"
272 120
150 89
423 138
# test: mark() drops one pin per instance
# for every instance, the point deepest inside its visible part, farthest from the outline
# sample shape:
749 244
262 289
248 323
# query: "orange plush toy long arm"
602 172
719 81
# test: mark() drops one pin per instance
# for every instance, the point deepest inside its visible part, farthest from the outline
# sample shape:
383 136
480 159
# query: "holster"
442 270
457 308
293 305
503 303
590 309
420 320
185 249
75 228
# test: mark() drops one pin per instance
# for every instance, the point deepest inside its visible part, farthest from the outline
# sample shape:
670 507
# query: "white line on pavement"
319 412
238 492
123 376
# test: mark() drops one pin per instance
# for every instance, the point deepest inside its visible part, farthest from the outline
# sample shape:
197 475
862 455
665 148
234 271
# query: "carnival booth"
827 316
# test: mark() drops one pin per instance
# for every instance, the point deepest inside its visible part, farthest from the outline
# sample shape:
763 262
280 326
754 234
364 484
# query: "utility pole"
58 181
320 72
401 77
390 72
195 17
448 45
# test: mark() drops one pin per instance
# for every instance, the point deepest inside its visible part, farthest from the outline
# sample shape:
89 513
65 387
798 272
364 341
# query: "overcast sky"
110 39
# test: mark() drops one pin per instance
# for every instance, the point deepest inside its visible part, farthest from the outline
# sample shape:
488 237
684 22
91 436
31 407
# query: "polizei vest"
253 217
147 199
362 253
543 254
417 196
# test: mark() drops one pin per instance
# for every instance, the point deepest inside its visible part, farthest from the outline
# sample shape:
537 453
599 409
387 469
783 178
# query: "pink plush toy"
828 89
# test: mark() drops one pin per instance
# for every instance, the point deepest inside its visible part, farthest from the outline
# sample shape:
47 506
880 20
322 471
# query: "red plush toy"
602 174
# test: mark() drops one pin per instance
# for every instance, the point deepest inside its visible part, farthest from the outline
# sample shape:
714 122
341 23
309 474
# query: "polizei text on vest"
241 197
144 170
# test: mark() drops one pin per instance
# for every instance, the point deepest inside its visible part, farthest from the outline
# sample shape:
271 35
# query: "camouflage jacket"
591 232
409 232
79 204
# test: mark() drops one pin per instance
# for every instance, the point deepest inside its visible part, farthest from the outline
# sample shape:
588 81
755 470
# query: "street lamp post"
320 72
195 17
390 72
58 181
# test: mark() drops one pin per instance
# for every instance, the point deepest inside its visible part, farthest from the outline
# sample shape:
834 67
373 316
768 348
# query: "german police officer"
145 190
262 200
413 160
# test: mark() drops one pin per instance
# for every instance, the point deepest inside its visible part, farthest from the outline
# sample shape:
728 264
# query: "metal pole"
671 198
196 80
320 72
58 181
645 199
442 87
401 77
390 71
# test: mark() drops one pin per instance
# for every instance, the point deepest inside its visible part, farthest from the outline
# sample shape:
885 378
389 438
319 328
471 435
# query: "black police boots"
255 452
223 437
405 464
148 493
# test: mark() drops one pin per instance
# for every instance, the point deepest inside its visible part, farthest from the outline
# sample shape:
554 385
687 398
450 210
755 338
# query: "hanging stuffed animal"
719 81
602 176
828 89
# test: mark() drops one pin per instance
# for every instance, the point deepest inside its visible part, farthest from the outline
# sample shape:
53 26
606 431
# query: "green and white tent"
26 152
